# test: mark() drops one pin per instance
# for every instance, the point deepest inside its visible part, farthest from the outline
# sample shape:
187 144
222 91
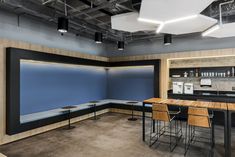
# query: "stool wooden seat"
198 117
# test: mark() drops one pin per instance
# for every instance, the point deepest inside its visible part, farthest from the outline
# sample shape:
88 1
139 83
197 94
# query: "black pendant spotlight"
98 37
121 45
63 24
167 39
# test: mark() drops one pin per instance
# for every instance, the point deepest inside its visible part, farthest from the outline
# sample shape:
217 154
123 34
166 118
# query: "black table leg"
132 114
95 116
226 133
95 112
69 119
229 134
143 122
154 128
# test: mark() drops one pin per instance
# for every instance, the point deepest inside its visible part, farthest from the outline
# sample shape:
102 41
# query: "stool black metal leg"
212 141
186 140
170 137
154 128
213 133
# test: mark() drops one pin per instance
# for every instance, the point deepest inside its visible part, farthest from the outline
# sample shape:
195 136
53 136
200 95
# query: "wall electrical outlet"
233 88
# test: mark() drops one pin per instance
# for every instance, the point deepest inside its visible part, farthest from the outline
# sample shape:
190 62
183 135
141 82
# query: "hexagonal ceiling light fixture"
167 12
128 22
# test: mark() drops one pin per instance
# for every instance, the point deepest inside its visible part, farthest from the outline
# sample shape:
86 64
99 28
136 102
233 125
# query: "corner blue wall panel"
131 83
47 86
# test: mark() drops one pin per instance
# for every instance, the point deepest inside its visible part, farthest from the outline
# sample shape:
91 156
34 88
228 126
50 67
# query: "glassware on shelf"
191 73
197 73
202 74
210 74
232 71
228 73
185 74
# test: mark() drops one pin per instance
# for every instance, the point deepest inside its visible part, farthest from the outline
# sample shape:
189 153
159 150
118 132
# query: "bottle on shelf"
232 71
228 73
191 73
197 73
185 74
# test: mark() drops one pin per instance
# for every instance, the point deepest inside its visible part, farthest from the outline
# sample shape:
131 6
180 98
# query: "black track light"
98 37
121 45
63 24
167 39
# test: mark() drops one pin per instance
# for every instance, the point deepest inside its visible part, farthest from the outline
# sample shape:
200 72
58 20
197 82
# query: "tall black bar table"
132 110
93 106
214 106
231 110
68 110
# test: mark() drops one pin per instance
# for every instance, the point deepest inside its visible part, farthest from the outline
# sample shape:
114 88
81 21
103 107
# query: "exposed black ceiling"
88 16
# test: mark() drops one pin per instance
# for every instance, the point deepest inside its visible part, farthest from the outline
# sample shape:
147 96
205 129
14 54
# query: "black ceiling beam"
101 10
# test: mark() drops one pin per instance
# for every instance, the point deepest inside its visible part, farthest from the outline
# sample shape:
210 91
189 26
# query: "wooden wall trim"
203 62
178 55
24 45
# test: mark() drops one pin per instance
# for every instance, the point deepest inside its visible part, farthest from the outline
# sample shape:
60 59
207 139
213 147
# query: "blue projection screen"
131 83
45 86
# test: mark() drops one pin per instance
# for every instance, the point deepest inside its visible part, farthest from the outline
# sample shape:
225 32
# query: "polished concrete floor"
110 136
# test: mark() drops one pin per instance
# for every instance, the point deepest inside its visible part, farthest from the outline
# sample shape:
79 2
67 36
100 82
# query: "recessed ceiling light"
149 21
174 21
160 28
210 30
181 19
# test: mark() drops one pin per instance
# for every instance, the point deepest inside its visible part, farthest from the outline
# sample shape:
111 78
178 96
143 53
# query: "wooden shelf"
203 77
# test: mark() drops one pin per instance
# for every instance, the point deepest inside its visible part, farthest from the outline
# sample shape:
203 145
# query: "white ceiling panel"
128 22
225 30
198 24
164 10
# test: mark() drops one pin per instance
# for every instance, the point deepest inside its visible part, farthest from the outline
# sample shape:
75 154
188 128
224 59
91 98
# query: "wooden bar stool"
198 118
160 113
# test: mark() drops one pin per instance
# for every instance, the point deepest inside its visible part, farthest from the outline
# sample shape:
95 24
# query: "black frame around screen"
13 57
